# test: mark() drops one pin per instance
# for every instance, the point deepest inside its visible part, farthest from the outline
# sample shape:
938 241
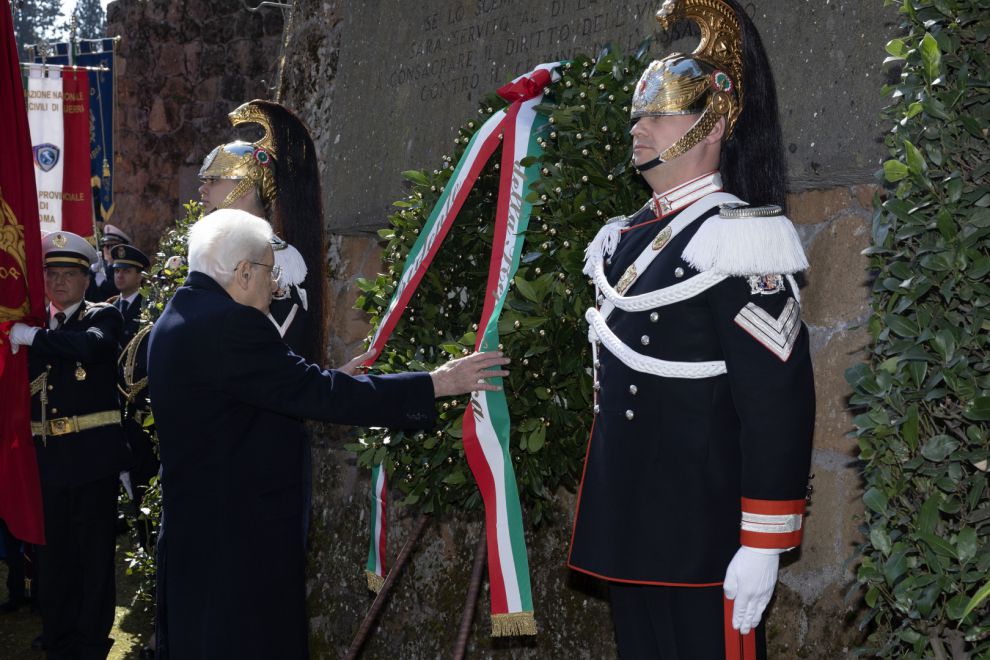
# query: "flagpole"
31 65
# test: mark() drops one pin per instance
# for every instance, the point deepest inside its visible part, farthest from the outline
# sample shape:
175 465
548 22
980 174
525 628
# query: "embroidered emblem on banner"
776 334
663 238
627 279
765 285
45 156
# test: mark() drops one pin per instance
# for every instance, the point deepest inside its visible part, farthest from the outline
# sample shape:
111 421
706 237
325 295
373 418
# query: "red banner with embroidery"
21 297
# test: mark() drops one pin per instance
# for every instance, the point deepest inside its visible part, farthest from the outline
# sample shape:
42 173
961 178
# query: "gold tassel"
375 581
513 624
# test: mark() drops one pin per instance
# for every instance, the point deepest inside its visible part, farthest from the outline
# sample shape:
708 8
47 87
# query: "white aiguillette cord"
613 298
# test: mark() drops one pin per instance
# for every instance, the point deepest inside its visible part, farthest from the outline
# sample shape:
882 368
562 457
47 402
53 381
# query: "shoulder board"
747 240
112 299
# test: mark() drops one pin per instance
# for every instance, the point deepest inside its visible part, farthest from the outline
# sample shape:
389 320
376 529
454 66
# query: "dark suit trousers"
675 623
78 590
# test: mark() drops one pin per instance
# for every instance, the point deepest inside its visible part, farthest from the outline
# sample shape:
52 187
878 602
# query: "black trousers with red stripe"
679 623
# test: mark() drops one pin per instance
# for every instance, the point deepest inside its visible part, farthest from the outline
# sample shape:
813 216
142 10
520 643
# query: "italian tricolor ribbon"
486 423
376 554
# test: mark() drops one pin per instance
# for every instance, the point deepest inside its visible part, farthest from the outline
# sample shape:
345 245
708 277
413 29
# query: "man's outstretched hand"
468 374
352 367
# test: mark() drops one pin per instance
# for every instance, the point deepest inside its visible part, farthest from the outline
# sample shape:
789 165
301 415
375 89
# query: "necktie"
59 320
123 306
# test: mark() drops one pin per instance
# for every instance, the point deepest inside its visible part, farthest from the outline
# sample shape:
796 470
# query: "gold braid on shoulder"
128 356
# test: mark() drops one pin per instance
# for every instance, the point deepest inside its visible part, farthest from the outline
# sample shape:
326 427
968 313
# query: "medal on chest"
80 372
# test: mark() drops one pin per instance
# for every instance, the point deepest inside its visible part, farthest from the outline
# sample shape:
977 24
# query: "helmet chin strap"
242 188
649 165
702 127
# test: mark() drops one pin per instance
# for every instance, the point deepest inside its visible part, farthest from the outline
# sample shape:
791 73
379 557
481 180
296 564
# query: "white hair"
223 239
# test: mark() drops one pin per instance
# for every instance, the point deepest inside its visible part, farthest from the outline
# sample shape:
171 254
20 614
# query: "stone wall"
182 66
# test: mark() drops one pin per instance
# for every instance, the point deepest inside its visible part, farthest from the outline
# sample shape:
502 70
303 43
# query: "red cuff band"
771 523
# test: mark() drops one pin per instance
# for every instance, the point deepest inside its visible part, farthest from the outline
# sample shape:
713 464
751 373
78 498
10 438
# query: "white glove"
21 334
749 582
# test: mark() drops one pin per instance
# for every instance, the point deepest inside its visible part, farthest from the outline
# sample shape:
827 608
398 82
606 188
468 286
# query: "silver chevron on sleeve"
776 334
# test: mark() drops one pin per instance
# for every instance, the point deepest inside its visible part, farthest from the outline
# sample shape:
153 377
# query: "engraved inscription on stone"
411 73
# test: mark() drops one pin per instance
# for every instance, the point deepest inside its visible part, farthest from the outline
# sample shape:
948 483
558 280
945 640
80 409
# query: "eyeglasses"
276 270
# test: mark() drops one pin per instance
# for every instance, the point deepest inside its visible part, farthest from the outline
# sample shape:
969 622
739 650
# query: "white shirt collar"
68 311
686 193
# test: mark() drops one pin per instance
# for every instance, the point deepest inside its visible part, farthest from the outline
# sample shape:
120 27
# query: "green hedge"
924 397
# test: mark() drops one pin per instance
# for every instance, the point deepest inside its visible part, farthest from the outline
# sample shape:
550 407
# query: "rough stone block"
350 257
830 528
836 290
824 629
157 120
864 195
833 420
814 206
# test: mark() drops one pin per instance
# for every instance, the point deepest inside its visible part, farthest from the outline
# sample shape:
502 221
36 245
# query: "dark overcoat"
228 398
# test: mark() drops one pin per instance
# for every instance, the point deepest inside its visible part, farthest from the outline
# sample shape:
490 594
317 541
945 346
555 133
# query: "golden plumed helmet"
250 163
707 82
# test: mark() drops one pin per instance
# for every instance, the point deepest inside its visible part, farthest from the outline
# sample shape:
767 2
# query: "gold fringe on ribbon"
513 624
375 581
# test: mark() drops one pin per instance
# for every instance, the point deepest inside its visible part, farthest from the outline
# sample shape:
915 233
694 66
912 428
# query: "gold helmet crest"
250 163
707 82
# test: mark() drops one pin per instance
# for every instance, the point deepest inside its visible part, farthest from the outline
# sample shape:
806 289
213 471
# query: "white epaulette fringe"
746 246
293 267
603 245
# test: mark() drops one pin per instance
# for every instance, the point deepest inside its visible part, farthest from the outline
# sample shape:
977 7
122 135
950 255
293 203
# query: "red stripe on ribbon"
525 88
486 484
381 523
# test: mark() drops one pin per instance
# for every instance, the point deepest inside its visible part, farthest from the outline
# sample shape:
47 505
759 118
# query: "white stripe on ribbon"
489 442
376 560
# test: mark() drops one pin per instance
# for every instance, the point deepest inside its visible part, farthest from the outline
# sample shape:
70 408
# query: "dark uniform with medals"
81 450
704 406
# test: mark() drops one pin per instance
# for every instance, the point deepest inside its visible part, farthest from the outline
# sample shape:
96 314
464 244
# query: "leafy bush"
586 179
925 395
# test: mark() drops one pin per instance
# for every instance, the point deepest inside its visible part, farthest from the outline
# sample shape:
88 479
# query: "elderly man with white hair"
228 398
